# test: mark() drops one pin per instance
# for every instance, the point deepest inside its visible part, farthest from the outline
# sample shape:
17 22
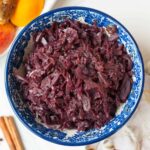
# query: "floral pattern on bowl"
15 59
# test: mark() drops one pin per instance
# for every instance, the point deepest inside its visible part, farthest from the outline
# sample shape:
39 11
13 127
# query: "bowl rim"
8 89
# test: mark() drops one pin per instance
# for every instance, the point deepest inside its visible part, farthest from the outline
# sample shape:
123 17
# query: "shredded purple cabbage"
77 75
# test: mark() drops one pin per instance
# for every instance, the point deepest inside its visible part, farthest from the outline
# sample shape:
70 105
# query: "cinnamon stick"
7 134
14 132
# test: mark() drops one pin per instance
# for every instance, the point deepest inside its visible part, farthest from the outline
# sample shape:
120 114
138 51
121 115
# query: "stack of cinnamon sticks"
10 132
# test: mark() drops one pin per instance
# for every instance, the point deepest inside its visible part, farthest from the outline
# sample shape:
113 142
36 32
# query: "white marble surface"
135 15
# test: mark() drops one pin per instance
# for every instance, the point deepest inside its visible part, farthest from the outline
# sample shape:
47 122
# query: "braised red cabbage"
77 75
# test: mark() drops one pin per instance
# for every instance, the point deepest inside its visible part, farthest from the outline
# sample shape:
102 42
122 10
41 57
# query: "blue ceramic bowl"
15 59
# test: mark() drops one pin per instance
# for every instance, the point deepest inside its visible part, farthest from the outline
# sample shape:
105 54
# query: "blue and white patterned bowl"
15 59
